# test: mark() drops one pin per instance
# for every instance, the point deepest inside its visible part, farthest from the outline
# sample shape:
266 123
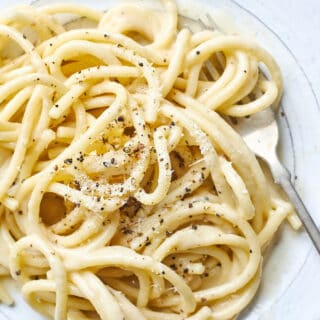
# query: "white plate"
291 276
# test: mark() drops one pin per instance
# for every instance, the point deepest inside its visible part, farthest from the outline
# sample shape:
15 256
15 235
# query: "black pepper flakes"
68 161
173 266
81 158
129 131
126 231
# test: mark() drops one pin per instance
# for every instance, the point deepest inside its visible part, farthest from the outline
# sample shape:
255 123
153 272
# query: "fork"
260 133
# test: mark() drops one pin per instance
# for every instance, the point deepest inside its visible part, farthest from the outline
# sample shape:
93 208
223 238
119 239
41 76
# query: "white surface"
292 272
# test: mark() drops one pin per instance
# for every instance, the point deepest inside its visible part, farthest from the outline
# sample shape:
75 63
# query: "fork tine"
209 71
192 25
202 24
212 70
211 23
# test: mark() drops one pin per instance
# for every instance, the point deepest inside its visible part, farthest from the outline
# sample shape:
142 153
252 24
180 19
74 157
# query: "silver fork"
261 134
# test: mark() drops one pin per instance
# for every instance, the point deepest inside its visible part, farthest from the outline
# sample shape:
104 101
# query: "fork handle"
282 176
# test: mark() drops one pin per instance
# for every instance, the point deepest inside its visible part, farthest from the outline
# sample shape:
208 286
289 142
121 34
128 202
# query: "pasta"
125 192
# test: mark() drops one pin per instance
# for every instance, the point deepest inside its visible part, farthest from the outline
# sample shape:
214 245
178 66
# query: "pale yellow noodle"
125 193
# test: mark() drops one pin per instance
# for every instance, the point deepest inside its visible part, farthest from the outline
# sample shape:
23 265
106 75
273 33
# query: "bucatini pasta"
125 193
